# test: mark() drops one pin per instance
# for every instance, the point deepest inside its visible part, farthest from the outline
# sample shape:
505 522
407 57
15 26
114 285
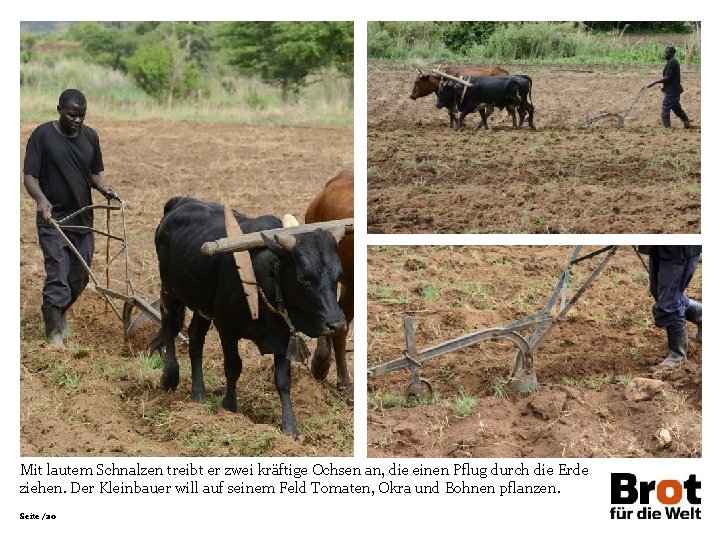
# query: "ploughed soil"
584 366
564 177
102 396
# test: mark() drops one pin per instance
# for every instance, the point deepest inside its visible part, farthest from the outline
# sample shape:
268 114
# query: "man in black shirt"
62 162
670 270
672 90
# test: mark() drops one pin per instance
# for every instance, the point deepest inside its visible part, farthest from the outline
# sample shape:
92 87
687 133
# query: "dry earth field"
561 178
583 368
103 396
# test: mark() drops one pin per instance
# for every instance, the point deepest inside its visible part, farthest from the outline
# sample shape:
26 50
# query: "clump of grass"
66 380
381 291
150 362
426 398
379 401
430 292
598 382
465 405
62 377
499 389
212 403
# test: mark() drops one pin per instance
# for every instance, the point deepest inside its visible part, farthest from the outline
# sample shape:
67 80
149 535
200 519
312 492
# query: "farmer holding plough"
63 161
670 270
672 90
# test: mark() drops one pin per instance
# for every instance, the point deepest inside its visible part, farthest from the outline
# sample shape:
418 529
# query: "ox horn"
287 241
338 233
289 220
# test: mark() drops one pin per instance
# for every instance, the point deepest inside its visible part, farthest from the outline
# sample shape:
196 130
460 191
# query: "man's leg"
669 310
667 106
56 291
681 114
78 277
693 313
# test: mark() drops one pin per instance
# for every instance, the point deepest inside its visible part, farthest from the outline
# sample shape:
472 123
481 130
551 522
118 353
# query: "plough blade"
523 380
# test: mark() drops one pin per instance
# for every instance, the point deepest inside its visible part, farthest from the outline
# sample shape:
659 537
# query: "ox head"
425 84
309 269
445 95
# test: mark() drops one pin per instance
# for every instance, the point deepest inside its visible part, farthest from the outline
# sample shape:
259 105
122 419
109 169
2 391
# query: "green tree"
108 46
286 52
459 37
166 69
27 47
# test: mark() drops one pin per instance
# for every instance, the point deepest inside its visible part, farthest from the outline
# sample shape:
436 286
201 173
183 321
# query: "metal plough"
619 116
523 376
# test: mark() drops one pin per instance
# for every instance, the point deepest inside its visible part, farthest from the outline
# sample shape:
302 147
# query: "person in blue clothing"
670 270
63 161
672 90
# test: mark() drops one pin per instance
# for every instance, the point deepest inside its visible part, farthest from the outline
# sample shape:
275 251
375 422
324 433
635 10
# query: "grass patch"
150 362
379 401
499 389
60 375
465 405
598 382
212 403
430 292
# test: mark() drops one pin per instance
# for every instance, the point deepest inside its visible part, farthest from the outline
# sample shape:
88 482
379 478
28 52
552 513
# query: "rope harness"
297 348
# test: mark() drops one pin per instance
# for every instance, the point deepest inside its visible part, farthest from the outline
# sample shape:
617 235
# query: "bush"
403 40
164 76
460 37
530 41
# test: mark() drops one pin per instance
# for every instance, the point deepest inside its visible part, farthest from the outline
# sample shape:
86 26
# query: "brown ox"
336 201
426 84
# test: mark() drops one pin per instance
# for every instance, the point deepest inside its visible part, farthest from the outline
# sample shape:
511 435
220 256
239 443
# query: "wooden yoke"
244 265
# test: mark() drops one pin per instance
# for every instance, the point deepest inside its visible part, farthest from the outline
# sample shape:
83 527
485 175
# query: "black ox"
488 92
300 272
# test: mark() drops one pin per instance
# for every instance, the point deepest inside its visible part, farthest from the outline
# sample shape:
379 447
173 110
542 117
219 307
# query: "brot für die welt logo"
680 499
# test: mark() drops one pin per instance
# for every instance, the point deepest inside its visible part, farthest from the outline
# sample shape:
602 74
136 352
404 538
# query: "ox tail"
174 202
529 80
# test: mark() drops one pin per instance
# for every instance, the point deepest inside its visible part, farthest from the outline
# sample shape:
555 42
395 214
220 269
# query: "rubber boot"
677 344
666 122
64 326
53 332
693 313
685 120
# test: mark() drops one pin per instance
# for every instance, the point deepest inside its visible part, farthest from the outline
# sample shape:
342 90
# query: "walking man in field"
62 162
670 270
672 90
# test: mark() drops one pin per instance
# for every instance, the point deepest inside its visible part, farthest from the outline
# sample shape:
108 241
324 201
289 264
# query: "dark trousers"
671 102
668 280
65 277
